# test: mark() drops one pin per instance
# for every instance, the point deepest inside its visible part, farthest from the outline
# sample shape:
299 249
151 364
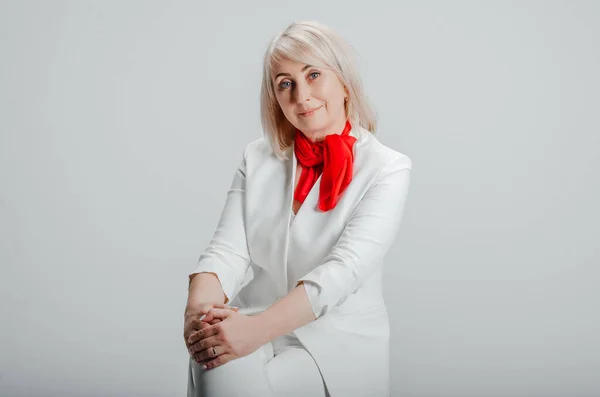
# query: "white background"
122 123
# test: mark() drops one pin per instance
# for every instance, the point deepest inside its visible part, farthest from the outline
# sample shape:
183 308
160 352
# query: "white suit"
340 252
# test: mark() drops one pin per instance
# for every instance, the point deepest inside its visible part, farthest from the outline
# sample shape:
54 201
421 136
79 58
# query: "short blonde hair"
315 44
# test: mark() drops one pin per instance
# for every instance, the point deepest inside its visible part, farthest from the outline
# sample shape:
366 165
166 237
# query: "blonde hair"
315 44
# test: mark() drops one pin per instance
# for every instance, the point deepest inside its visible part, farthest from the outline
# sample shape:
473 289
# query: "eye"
313 73
282 84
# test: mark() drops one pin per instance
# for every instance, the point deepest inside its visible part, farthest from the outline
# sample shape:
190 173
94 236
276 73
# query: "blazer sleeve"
227 253
367 237
313 293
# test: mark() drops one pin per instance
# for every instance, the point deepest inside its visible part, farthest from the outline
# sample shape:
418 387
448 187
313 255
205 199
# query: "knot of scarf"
333 157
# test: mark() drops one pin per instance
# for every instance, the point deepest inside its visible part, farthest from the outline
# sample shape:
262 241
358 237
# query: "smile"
310 112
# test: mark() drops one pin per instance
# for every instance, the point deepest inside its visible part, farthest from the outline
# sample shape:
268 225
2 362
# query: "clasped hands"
216 334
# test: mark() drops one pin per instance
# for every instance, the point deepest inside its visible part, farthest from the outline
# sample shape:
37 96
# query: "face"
311 98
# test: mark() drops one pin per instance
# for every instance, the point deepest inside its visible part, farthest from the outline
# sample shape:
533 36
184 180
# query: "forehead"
287 66
283 68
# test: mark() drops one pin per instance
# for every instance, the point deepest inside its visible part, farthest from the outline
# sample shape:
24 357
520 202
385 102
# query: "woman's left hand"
236 336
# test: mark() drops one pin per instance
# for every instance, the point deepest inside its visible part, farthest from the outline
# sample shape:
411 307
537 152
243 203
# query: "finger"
220 313
206 358
225 306
206 354
202 312
209 317
192 328
203 333
195 328
203 319
200 324
204 349
203 344
221 360
193 324
195 335
212 313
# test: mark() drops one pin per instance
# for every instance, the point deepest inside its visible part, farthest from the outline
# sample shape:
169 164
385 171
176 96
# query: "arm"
292 311
204 287
223 265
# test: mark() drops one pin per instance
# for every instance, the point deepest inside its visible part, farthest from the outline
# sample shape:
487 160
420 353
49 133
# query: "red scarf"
332 157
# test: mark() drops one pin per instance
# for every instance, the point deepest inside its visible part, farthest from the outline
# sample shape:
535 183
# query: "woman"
311 212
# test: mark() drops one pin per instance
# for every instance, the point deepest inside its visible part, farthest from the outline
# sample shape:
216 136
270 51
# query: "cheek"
283 98
283 102
287 109
332 94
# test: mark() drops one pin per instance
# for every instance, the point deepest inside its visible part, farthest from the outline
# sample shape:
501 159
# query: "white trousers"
281 368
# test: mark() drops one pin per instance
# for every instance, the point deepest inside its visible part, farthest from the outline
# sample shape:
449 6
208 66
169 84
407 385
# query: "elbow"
333 283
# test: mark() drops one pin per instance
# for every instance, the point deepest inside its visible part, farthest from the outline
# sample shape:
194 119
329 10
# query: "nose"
302 93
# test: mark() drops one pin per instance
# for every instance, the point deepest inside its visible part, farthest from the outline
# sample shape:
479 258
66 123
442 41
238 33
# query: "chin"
310 129
312 124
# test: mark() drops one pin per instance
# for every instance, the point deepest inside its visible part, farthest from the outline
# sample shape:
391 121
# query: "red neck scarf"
332 157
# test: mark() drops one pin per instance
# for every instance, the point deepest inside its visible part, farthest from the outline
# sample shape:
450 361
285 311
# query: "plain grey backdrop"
122 123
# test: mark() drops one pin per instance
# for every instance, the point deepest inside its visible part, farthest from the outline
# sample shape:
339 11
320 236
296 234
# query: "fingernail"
202 317
204 367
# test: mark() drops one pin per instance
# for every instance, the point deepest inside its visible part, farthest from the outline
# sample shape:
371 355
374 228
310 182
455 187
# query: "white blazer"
259 258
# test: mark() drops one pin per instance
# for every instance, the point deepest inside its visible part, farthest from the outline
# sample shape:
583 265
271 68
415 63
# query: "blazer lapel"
311 200
269 215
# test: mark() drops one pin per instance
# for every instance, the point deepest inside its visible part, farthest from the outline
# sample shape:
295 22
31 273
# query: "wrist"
264 326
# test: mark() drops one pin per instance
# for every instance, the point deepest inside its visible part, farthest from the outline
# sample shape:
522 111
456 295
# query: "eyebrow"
287 74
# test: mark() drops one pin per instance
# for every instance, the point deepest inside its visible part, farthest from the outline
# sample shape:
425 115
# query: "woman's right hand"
192 318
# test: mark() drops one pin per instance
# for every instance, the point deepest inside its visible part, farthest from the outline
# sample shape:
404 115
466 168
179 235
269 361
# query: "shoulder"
257 147
261 153
374 154
258 155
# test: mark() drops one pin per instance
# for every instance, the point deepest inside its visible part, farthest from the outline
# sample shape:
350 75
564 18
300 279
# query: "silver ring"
214 352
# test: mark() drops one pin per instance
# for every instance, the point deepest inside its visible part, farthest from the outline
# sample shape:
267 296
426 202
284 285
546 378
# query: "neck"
318 135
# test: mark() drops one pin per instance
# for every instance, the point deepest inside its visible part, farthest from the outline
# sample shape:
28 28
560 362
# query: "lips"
311 111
